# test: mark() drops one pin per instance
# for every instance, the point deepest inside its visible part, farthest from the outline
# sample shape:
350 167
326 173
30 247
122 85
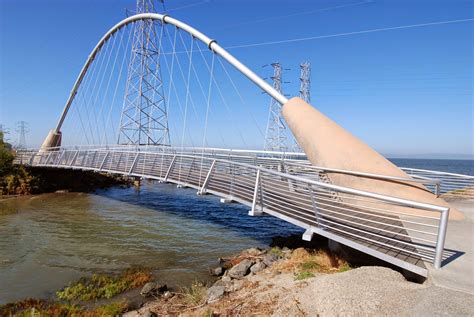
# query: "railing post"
313 202
133 164
202 191
170 168
103 161
47 159
437 189
58 162
443 226
74 158
254 211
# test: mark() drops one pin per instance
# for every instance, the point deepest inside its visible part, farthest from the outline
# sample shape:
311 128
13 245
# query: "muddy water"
46 241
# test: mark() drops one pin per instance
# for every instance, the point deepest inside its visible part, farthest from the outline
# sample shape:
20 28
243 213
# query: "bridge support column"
308 235
327 144
52 141
255 213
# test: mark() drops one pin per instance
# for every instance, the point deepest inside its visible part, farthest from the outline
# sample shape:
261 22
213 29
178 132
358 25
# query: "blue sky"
406 92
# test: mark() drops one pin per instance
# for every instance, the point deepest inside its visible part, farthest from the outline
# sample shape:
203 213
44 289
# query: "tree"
6 156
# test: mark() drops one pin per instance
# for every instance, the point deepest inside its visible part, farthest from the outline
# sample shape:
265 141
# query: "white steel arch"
166 19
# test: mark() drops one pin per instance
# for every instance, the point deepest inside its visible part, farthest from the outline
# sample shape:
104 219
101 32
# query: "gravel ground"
371 291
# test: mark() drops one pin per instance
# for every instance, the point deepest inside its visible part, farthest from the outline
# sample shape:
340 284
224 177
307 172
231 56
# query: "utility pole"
144 119
22 129
275 136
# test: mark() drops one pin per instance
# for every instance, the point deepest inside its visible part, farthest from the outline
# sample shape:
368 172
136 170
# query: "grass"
111 309
276 251
196 294
104 286
309 265
345 267
304 263
303 275
208 313
35 307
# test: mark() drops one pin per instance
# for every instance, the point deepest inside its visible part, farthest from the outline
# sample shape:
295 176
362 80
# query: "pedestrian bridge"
145 122
287 186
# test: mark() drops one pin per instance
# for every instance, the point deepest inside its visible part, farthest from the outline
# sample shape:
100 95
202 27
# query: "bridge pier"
308 235
255 213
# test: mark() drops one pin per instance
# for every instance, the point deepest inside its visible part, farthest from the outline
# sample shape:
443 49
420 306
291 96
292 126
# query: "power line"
301 39
298 14
188 5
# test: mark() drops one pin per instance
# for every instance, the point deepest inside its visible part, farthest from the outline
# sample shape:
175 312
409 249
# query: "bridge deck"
275 187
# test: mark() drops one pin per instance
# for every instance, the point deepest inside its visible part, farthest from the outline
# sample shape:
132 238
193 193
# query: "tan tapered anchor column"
52 141
329 145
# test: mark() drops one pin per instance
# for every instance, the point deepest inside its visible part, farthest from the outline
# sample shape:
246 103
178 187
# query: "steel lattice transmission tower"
275 135
144 118
22 129
305 87
305 81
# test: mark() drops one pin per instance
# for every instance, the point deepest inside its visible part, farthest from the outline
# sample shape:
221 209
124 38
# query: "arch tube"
212 44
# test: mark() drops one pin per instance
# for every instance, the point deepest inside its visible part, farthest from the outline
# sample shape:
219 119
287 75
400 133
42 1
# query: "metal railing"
451 185
390 228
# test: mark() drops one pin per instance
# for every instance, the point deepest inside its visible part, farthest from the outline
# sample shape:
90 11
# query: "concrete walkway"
458 274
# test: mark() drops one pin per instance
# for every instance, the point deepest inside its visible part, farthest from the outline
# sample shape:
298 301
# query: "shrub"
104 286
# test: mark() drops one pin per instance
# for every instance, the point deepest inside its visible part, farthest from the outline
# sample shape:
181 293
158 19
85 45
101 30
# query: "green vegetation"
309 265
6 156
303 275
35 307
22 180
103 286
345 267
86 289
13 179
276 251
196 294
111 309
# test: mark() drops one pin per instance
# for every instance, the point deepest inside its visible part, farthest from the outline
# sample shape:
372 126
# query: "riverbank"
289 278
308 282
25 180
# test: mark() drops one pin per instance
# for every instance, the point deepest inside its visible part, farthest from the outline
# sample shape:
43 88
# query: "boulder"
269 259
167 295
216 271
257 267
241 269
237 284
152 289
228 285
226 278
254 251
215 292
